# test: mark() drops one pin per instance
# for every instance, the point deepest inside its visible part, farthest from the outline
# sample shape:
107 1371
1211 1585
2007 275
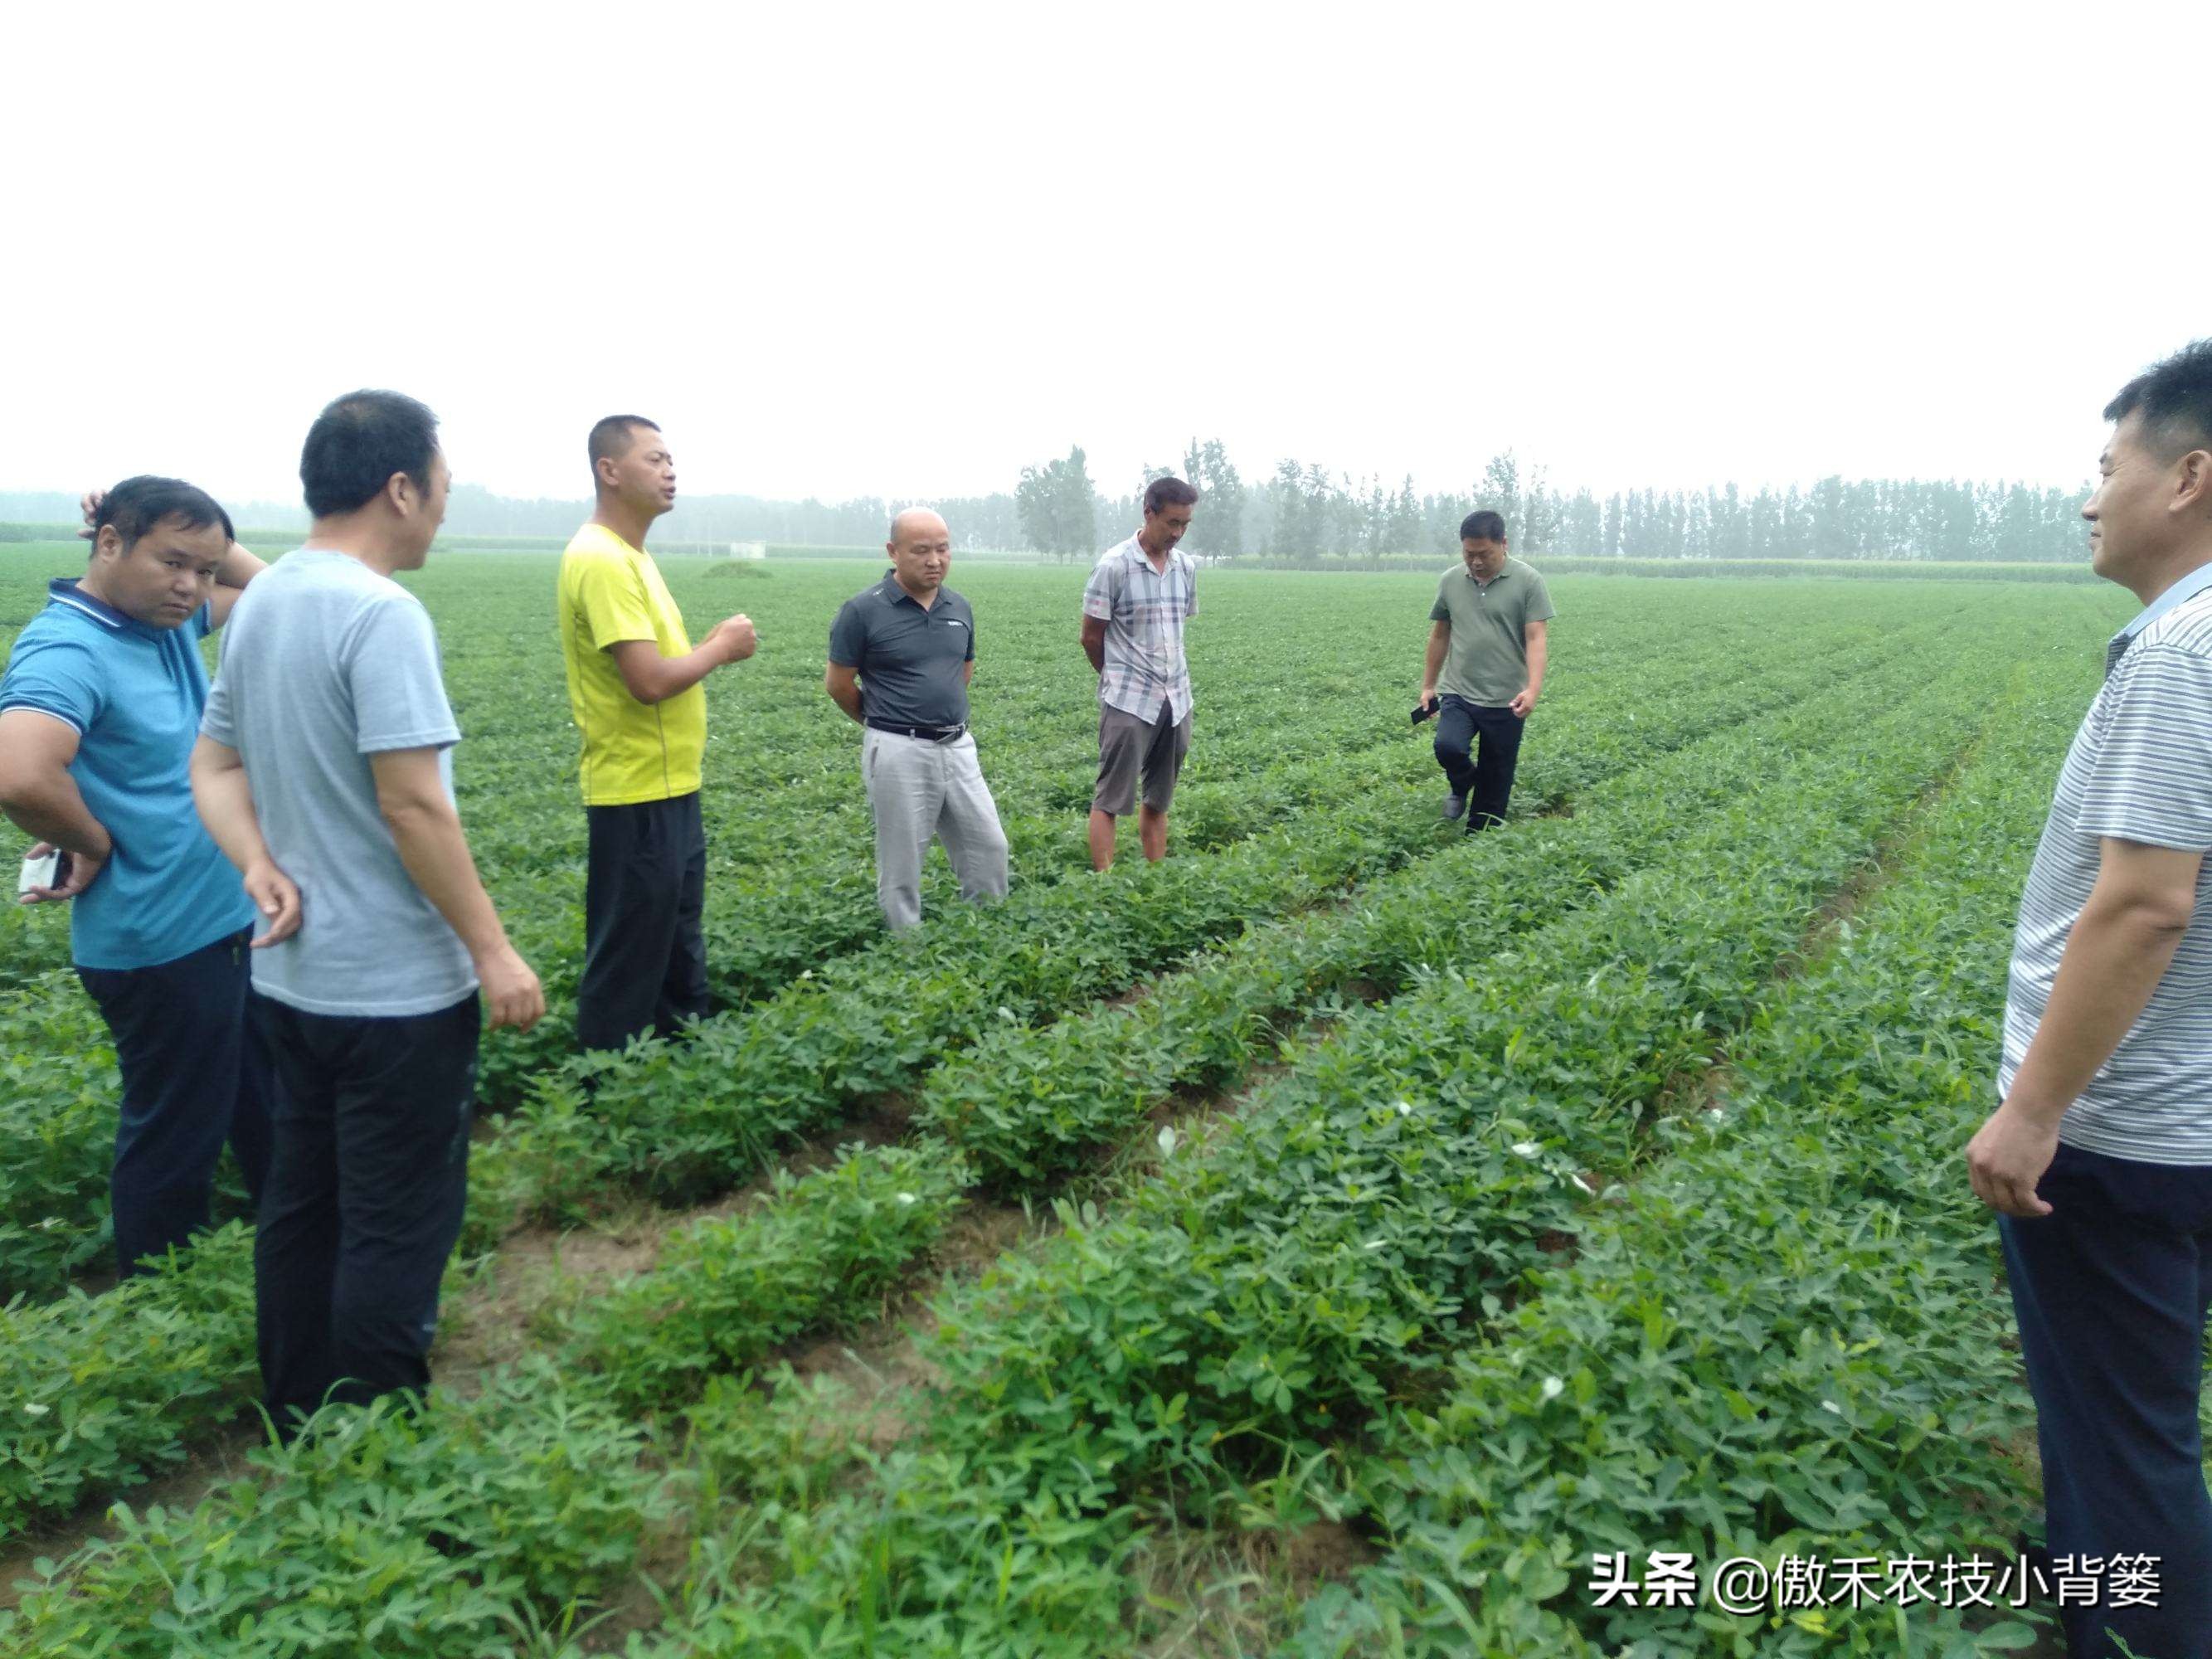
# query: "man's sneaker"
1454 805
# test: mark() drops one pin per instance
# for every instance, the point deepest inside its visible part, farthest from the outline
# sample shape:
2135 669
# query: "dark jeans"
195 1074
1487 780
2111 1290
364 1201
645 958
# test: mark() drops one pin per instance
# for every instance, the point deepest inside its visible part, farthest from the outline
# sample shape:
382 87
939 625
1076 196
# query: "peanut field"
1321 1243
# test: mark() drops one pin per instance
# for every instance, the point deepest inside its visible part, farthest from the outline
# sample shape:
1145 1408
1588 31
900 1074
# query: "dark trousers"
195 1074
645 958
1486 781
364 1202
2111 1290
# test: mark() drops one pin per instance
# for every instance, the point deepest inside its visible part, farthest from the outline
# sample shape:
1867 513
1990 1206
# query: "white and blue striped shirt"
2140 769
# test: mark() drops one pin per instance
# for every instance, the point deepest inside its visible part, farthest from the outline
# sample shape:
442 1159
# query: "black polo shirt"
909 658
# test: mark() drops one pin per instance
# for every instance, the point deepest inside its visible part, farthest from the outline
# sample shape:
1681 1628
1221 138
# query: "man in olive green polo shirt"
634 686
1486 665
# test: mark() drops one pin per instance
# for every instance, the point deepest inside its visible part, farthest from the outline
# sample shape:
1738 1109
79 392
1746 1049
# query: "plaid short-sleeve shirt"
1143 610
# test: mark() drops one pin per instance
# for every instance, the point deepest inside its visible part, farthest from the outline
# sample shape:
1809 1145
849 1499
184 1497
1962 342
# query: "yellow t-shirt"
633 751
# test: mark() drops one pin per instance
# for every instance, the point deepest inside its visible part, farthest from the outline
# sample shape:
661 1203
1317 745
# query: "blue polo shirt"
134 695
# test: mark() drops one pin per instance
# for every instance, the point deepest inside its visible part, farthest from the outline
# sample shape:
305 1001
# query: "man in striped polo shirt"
2099 1157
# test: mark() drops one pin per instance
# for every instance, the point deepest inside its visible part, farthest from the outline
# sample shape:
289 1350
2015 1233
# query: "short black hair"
1482 527
1163 493
358 442
2175 397
610 437
136 505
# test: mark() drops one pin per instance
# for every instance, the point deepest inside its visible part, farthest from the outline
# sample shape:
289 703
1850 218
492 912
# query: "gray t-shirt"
324 664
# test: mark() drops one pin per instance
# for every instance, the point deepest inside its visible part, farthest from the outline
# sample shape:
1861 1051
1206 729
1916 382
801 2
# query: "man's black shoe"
1454 805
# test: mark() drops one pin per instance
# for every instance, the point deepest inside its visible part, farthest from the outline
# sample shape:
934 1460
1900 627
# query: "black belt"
933 733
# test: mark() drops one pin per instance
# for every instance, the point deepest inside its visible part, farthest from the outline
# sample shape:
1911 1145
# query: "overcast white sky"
904 250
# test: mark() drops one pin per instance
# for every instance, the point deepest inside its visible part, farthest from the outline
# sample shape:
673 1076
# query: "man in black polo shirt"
901 656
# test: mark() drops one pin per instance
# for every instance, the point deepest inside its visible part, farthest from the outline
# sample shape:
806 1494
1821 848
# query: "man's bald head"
918 521
921 551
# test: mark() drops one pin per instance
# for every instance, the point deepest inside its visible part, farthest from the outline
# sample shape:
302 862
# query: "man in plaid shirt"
1138 597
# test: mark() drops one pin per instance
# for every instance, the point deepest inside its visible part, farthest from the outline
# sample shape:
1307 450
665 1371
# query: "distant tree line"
1302 512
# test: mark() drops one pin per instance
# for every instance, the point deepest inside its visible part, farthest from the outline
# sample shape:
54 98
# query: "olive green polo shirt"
1487 660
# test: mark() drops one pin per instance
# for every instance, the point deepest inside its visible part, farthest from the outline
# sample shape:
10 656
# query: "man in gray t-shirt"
324 772
337 664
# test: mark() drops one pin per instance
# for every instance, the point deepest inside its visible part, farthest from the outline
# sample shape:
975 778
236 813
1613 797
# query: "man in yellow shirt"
634 686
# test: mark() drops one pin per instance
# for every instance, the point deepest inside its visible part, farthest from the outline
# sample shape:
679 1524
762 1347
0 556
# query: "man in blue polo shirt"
99 710
901 656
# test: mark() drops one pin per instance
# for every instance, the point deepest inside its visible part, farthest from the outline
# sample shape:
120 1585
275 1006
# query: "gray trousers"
919 788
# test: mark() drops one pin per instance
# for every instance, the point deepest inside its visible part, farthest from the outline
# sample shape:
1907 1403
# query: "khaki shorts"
1130 747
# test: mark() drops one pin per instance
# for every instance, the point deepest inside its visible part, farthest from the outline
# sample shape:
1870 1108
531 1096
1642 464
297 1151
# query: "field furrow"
1784 1342
674 1131
1208 1347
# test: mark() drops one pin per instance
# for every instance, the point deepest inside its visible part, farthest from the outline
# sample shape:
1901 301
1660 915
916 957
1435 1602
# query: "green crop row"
101 1391
563 1144
1214 1342
467 1531
1040 1534
794 1235
1785 1343
683 1120
57 1115
725 1291
805 893
452 1529
53 1191
813 899
1026 1104
1368 1201
821 905
648 1101
1029 1104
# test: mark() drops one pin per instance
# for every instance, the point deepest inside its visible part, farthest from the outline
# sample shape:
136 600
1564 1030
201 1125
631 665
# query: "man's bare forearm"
846 696
52 810
238 566
1538 656
676 674
225 801
435 851
2115 958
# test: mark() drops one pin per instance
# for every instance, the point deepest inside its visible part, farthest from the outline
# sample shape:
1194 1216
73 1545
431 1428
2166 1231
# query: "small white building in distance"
749 549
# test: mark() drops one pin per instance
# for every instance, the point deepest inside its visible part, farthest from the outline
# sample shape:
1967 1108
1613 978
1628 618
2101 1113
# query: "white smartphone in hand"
38 873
